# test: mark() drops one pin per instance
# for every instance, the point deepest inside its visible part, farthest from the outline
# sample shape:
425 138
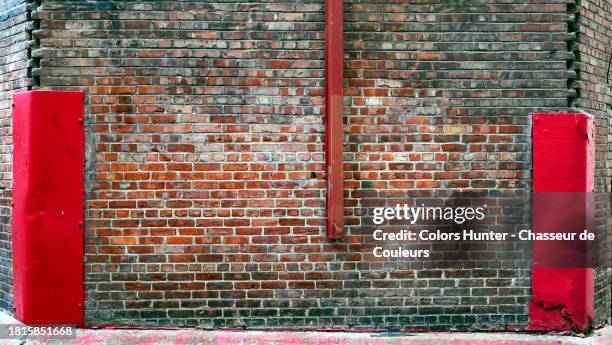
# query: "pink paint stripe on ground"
194 336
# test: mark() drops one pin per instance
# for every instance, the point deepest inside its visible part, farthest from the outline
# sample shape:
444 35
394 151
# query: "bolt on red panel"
333 110
47 232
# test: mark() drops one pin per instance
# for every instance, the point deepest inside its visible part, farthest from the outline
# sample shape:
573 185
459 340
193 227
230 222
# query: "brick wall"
206 183
594 86
205 171
15 24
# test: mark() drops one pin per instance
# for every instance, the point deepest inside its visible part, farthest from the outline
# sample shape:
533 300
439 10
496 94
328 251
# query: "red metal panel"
334 108
563 153
563 161
48 154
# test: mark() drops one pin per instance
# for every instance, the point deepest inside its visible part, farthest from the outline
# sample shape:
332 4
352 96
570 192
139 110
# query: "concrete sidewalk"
193 336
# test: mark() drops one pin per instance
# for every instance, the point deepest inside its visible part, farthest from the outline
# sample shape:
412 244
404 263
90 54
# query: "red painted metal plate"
563 161
48 154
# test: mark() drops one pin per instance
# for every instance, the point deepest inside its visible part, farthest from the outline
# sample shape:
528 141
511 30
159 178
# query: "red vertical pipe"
333 111
563 162
47 232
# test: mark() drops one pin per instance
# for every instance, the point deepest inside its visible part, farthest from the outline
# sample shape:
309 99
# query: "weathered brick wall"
594 86
205 173
15 24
